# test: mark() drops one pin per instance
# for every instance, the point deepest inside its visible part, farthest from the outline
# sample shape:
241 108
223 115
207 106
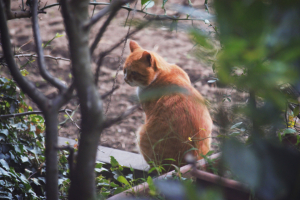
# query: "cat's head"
140 66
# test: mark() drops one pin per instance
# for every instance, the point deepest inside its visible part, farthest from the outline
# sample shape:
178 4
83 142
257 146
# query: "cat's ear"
147 57
133 46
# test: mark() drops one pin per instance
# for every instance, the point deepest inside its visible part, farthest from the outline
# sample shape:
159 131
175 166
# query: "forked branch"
17 14
26 86
114 6
105 53
109 122
41 60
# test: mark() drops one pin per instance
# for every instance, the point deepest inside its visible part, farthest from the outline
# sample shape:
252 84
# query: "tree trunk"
51 154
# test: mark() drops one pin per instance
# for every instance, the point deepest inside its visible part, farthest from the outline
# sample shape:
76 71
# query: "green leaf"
119 190
36 181
3 172
298 140
151 170
129 176
32 128
289 131
4 164
191 149
144 1
101 169
211 81
296 111
24 72
170 159
236 125
113 162
24 159
151 186
164 3
149 4
242 161
4 131
123 180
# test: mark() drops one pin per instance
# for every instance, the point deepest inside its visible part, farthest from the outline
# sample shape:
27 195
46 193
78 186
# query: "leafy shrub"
22 161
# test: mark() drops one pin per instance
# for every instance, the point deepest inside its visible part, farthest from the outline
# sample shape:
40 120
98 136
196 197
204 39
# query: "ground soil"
174 46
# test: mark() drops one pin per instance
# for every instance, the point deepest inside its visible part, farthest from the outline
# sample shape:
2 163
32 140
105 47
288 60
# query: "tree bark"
51 122
83 180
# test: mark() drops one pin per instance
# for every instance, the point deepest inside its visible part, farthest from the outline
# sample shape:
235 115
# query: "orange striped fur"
177 120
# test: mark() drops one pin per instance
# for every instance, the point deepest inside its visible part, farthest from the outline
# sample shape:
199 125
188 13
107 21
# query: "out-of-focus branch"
109 122
70 117
17 14
30 113
102 30
105 53
104 96
97 17
23 82
151 15
41 60
45 56
64 97
114 6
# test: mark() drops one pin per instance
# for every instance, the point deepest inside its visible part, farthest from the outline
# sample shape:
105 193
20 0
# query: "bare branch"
64 97
75 14
104 96
16 14
30 113
109 122
45 56
97 17
70 117
152 15
114 6
102 30
121 57
23 82
105 53
41 61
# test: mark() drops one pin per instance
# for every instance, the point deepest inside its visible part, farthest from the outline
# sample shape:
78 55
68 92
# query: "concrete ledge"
128 159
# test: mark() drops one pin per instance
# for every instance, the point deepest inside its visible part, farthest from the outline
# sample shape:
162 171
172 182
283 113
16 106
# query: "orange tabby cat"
176 116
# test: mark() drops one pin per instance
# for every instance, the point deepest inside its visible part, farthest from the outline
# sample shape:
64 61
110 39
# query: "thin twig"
109 122
114 6
70 117
30 113
102 30
17 14
63 122
104 96
45 56
121 57
206 6
41 61
25 85
63 97
98 16
131 9
105 53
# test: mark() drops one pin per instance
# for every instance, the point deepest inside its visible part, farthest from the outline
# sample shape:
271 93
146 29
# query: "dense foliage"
259 54
22 146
